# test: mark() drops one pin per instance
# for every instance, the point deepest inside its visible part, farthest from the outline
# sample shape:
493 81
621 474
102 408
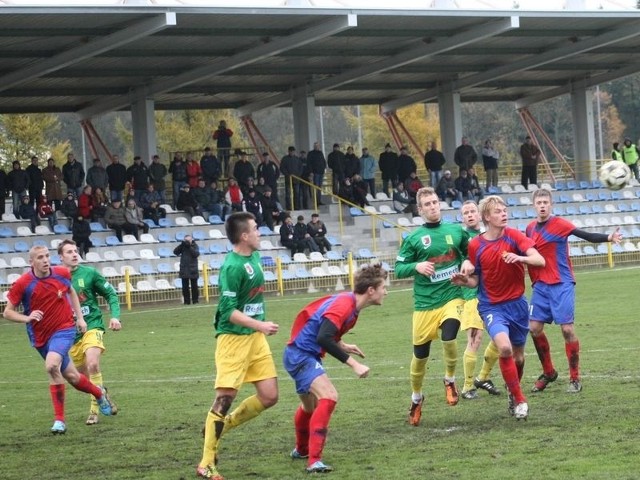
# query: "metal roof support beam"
88 50
491 74
423 51
233 62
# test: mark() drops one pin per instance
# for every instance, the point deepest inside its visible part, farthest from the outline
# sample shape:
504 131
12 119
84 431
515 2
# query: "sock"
301 422
510 375
96 379
469 360
544 352
57 398
491 356
84 385
417 372
572 350
450 357
212 432
318 427
250 408
520 369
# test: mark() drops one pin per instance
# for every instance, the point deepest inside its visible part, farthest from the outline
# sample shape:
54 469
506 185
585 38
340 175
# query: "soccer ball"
615 175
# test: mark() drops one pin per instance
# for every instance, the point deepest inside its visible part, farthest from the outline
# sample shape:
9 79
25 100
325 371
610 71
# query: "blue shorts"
60 343
553 303
303 367
511 318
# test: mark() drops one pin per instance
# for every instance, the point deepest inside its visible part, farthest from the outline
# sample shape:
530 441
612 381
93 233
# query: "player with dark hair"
318 329
242 352
553 297
498 256
89 346
432 254
49 303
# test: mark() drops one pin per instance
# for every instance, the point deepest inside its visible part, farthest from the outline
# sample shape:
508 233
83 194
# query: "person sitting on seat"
301 235
446 188
318 233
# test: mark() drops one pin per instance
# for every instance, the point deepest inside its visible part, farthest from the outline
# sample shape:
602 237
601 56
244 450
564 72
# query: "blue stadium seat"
302 273
355 212
591 197
585 210
215 264
166 222
267 261
39 243
364 253
165 268
165 252
333 240
112 241
596 184
61 229
287 275
604 195
4 247
6 232
21 247
98 242
284 258
96 227
512 202
333 255
572 185
147 269
177 282
264 230
623 207
180 234
198 235
530 213
150 223
602 248
55 260
495 190
572 210
269 276
216 249
597 208
164 237
456 204
560 185
564 198
559 211
584 184
214 280
616 196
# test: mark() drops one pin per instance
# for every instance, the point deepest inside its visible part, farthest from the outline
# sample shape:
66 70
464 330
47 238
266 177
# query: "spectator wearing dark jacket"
28 212
287 238
3 190
251 203
117 174
188 251
318 232
36 182
18 183
81 233
406 165
210 166
97 176
69 206
150 204
301 235
335 161
157 174
222 136
269 171
138 175
243 170
351 163
434 161
318 165
73 174
178 170
465 155
388 164
187 202
115 218
271 210
291 167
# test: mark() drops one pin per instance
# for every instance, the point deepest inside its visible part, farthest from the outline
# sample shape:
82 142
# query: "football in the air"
615 175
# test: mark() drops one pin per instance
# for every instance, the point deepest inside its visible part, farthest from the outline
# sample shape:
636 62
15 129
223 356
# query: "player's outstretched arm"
593 237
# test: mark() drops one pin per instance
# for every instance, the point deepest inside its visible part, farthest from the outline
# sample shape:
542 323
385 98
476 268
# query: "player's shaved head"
36 250
237 224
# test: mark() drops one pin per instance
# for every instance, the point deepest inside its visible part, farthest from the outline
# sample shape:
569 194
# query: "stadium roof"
90 60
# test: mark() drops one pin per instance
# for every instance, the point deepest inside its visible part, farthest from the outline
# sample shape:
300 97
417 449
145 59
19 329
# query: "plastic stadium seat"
596 184
129 240
4 248
316 257
61 229
419 221
300 257
266 245
166 222
216 249
9 217
572 210
512 202
182 222
386 210
112 241
167 208
382 196
214 280
585 210
365 253
165 252
334 270
38 242
333 240
18 262
12 277
503 189
302 273
572 185
96 241
21 247
561 185
97 227
604 195
333 255
287 275
589 250
284 258
591 197
24 231
129 255
198 220
150 223
597 208
215 264
318 272
43 230
148 254
93 257
180 234
355 212
404 222
264 230
215 220
269 276
110 272
215 233
6 232
130 268
163 284
147 238
575 251
165 237
584 184
147 269
198 235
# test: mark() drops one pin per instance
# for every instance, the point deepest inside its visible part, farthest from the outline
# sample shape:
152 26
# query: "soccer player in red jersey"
318 329
47 298
553 298
498 256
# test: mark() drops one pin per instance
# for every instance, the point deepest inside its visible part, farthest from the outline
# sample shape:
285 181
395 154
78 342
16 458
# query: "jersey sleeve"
15 293
230 283
339 311
406 261
564 227
106 290
523 242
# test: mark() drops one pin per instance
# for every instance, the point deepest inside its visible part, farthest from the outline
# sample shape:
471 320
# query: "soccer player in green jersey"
431 255
89 346
472 324
242 352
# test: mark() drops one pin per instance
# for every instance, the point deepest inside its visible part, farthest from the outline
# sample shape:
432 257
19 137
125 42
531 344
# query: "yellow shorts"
470 316
427 323
243 359
90 339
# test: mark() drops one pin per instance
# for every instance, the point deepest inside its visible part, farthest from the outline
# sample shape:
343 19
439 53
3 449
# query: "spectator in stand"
218 205
465 155
194 172
187 202
474 182
150 204
188 251
97 176
251 203
406 165
388 164
242 171
336 162
222 136
616 153
210 166
413 184
490 158
81 233
290 167
261 187
52 176
401 200
446 188
301 235
463 186
27 212
359 190
117 174
85 202
347 192
251 184
271 209
178 170
46 211
4 188
138 175
18 181
69 206
530 154
287 238
234 196
368 170
73 174
36 182
100 204
135 218
434 162
157 174
318 232
305 190
351 163
269 172
116 219
318 165
202 194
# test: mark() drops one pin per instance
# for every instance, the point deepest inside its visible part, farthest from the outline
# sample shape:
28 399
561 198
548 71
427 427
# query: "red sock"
57 398
510 375
318 427
573 355
84 385
301 421
544 352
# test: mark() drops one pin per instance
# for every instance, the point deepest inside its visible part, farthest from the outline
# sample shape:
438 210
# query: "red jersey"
499 281
49 294
552 241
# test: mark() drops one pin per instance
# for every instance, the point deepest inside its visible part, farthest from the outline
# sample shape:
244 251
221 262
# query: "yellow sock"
450 357
469 362
96 379
417 371
212 433
250 408
491 356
